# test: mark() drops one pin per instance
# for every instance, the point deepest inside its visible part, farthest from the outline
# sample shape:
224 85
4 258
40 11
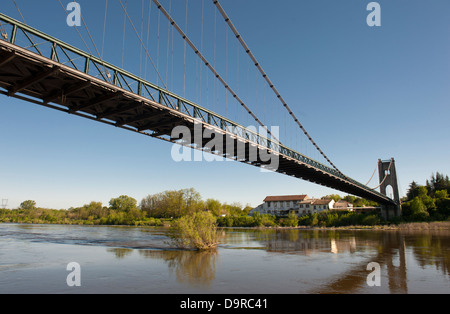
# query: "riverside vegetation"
194 221
164 208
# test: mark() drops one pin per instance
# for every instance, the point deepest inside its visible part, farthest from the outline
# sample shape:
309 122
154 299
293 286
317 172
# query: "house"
299 204
312 206
279 205
343 205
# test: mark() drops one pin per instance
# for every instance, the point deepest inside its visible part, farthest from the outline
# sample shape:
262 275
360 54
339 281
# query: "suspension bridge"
41 69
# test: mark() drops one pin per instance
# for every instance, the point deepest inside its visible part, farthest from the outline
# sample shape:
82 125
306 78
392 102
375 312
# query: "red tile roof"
322 202
285 198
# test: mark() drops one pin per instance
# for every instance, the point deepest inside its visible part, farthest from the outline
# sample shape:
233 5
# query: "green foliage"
172 204
257 220
28 205
214 206
443 208
196 230
418 209
370 220
123 203
442 194
429 202
290 221
438 182
339 219
413 190
242 220
423 203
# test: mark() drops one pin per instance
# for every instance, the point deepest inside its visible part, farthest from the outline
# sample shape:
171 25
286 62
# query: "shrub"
197 230
226 221
291 221
268 220
371 220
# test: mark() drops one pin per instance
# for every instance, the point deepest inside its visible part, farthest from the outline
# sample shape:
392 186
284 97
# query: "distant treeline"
429 202
161 208
153 210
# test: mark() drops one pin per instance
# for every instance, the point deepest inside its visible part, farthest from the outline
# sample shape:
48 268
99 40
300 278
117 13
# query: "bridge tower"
388 178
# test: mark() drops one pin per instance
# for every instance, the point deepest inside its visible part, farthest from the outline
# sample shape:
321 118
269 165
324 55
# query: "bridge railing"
47 46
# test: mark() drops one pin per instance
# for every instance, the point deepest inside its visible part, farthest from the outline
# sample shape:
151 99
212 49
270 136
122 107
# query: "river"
113 259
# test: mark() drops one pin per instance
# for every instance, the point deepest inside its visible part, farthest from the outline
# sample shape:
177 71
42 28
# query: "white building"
299 204
279 205
343 205
312 206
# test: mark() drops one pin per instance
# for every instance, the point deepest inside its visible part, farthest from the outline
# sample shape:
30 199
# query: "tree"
28 205
123 203
438 182
192 199
334 197
95 209
418 209
442 194
172 203
412 191
234 209
349 198
425 198
214 206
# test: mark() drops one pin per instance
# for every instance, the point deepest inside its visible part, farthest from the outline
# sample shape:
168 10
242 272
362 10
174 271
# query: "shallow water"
33 259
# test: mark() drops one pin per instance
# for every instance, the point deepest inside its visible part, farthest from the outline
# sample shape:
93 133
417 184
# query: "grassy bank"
324 219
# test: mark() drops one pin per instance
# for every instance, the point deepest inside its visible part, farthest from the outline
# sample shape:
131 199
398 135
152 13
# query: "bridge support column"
388 178
390 211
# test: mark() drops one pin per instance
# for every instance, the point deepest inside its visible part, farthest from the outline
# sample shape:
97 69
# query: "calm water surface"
33 259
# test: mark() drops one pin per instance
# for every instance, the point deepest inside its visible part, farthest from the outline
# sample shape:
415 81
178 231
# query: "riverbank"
410 226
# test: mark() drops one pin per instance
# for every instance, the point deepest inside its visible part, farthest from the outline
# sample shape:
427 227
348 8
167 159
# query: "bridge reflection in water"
388 248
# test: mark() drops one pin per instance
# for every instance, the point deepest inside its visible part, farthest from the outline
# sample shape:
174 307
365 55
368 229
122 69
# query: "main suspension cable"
200 55
372 175
256 63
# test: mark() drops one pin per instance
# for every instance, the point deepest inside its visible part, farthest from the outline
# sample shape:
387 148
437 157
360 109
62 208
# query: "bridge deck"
110 99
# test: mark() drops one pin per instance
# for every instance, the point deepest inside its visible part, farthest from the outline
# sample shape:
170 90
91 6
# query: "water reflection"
120 252
431 250
194 268
383 248
388 248
285 261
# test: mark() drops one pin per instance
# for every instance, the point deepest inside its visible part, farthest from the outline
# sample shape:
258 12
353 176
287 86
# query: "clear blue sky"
362 92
